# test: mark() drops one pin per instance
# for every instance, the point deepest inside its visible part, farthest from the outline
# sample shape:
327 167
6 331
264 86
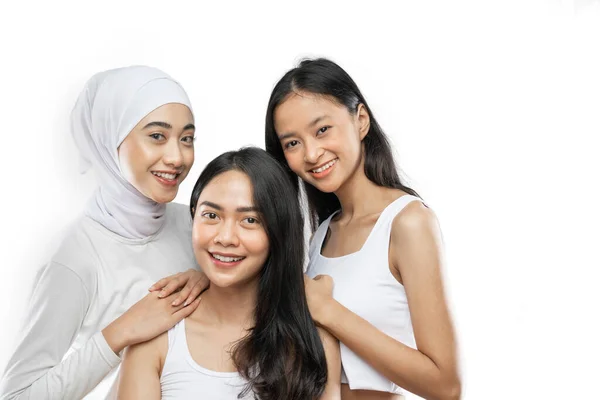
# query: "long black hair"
282 357
324 77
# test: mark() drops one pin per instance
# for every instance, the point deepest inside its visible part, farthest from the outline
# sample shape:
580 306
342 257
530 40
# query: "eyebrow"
310 125
218 207
166 125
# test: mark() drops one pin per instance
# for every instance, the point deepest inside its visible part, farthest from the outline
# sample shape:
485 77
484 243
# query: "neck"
359 196
230 305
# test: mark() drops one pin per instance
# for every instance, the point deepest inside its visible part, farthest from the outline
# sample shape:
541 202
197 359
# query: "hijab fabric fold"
111 104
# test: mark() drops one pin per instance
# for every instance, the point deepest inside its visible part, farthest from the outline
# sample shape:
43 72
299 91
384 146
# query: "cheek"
129 162
201 236
295 161
350 141
257 243
188 156
136 158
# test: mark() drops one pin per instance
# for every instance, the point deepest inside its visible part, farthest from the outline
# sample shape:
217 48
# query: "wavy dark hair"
282 357
324 77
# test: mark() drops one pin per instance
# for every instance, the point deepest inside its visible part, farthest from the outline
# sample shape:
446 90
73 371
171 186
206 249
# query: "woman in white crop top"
252 334
377 247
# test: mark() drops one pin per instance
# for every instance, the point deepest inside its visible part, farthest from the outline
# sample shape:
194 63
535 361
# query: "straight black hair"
282 357
324 77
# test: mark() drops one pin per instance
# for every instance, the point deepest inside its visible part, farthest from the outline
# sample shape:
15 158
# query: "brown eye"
188 139
209 215
157 136
323 130
291 144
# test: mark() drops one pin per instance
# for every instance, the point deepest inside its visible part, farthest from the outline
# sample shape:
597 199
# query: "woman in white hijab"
135 126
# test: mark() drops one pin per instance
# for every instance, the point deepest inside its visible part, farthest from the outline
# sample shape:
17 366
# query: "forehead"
173 113
300 108
231 189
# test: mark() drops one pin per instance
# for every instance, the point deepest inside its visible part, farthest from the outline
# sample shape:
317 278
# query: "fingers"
196 283
175 283
183 294
161 283
189 279
204 282
184 312
324 278
188 293
194 293
317 277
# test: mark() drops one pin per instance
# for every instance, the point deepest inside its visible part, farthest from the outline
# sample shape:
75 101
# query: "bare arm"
139 377
415 254
334 366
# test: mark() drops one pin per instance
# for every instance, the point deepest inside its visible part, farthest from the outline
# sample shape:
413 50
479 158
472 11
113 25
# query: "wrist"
116 337
328 312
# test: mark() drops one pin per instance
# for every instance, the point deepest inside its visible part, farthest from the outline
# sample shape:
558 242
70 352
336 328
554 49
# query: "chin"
163 198
223 283
228 279
326 187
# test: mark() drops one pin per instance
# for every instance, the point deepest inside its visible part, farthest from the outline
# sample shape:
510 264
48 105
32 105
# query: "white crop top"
364 284
183 379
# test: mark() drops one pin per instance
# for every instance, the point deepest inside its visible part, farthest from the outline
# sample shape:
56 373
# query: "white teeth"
227 259
324 167
165 175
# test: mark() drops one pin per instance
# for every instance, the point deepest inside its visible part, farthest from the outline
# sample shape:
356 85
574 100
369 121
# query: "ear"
364 121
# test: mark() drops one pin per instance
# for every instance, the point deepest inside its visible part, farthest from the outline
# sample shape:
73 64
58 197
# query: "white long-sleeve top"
93 278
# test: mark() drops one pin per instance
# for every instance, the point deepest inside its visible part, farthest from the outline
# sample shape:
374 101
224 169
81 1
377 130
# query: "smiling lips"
324 169
167 178
226 260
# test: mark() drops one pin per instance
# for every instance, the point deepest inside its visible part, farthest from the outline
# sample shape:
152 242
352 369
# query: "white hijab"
109 107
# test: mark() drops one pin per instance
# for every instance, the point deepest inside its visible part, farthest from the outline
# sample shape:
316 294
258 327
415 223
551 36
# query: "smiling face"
321 140
229 239
158 153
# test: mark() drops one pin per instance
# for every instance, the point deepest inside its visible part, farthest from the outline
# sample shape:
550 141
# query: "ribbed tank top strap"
319 236
382 229
177 341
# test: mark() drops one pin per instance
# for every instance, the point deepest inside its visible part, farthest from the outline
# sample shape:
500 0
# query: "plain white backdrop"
493 109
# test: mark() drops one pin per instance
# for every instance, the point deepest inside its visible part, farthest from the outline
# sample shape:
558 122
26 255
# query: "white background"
493 108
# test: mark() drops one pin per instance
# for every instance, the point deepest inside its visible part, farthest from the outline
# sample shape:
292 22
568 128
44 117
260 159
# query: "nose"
227 234
172 155
312 151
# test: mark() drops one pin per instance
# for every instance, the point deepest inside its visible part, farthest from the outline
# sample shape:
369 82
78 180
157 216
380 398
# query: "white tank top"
183 379
364 284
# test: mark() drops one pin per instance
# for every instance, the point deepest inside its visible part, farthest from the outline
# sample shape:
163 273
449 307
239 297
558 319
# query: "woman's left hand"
191 282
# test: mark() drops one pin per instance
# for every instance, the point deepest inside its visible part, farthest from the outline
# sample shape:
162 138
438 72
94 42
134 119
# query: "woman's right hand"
190 285
145 320
319 296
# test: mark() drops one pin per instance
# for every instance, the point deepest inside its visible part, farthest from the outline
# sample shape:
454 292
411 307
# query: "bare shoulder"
415 218
154 351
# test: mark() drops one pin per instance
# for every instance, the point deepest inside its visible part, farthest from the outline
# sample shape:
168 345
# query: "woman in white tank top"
252 336
377 251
